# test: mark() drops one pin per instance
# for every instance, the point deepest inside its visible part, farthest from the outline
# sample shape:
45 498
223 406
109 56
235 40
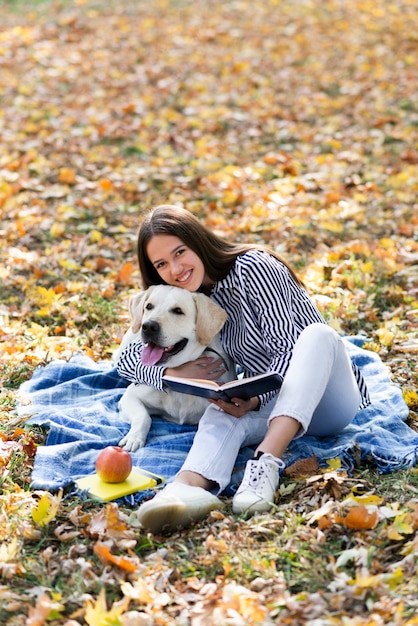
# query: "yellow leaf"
47 509
95 236
9 551
367 582
399 528
395 578
411 398
57 229
386 243
385 335
43 296
368 499
333 226
367 268
68 265
97 614
231 196
334 464
101 222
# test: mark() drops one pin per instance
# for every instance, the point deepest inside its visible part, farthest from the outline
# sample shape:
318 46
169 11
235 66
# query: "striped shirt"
267 310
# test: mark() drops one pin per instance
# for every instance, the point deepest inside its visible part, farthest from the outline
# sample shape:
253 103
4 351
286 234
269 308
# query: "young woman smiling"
272 325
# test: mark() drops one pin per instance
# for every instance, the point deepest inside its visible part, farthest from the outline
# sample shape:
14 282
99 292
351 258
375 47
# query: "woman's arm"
129 366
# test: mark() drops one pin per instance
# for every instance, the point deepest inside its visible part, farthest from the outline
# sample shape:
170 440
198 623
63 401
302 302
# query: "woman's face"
176 264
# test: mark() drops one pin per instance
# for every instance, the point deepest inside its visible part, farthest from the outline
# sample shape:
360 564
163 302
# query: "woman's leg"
216 446
319 396
208 467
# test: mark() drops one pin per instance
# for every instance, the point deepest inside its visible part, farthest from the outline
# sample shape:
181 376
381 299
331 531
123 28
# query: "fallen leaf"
124 275
46 509
97 614
103 552
359 518
304 467
46 609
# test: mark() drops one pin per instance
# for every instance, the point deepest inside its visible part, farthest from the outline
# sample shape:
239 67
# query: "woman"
272 325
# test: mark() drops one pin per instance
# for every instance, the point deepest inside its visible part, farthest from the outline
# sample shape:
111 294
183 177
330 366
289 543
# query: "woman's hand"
237 407
205 367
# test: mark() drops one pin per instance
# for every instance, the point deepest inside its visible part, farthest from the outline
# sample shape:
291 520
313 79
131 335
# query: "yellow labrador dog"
175 326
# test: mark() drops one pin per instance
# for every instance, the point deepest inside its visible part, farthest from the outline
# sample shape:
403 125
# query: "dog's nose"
151 328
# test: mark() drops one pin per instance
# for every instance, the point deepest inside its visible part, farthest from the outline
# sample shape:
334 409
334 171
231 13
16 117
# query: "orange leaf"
105 184
18 432
105 555
325 522
332 197
125 273
109 291
29 448
359 518
66 175
102 263
60 288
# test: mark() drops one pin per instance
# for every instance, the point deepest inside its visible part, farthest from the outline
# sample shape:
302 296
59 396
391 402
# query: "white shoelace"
258 469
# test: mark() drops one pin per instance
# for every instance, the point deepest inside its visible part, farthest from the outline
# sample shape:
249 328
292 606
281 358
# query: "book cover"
136 481
244 388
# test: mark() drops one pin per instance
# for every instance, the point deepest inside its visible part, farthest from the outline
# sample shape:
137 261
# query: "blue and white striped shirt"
266 310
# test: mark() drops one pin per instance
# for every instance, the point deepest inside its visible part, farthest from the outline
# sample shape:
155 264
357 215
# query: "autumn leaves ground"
291 123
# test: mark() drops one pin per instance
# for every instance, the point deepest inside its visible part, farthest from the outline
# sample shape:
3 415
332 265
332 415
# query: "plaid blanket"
77 402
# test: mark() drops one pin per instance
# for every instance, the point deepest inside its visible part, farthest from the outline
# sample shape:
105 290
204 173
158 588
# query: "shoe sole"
167 516
255 507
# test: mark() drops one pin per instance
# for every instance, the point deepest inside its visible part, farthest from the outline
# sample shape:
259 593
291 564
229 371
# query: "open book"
244 388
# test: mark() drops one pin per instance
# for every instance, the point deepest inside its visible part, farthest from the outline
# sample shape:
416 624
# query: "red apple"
114 464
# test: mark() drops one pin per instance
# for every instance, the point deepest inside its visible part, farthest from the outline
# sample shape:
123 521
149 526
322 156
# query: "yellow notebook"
136 481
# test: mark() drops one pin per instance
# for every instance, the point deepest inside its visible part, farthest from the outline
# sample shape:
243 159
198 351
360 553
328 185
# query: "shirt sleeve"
129 366
280 309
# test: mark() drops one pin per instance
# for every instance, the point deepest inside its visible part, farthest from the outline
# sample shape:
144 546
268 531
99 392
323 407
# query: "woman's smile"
176 264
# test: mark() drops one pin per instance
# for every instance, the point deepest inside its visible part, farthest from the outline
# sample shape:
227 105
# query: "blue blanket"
77 402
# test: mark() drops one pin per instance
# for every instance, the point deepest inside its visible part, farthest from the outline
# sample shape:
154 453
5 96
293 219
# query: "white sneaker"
176 506
258 488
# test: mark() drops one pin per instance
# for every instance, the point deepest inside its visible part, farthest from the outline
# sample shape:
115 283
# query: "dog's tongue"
151 354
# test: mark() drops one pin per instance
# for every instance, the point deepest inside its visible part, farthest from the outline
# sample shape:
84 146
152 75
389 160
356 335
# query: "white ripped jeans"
319 391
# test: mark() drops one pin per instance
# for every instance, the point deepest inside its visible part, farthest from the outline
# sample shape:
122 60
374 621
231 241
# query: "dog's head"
176 325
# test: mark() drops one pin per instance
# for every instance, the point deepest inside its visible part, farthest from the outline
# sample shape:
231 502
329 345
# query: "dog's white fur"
180 315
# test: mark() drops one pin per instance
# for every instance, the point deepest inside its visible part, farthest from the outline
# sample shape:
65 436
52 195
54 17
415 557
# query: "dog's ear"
209 319
136 309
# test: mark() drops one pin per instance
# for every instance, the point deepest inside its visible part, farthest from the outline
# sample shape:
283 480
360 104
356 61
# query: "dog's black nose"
150 330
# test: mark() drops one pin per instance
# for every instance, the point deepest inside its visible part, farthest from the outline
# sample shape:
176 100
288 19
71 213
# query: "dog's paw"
131 443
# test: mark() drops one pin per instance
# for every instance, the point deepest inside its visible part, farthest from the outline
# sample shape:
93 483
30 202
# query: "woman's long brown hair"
217 255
